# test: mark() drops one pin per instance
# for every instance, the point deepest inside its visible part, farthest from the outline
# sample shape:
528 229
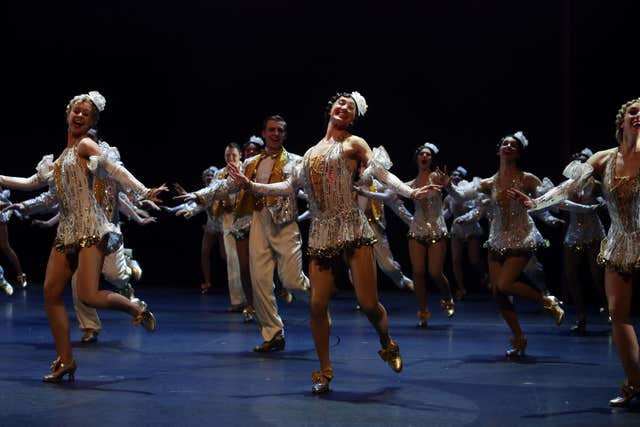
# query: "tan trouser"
233 264
270 247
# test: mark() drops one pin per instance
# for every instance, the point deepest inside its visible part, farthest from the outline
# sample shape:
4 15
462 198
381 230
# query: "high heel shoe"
423 318
391 354
552 305
518 346
447 306
55 364
58 375
145 318
627 393
320 380
22 280
580 328
6 286
204 288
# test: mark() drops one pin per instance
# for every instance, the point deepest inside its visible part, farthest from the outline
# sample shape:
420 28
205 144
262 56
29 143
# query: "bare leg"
363 271
506 272
506 282
6 248
457 246
571 268
475 257
436 254
242 248
619 294
90 261
322 282
56 278
418 255
597 273
208 240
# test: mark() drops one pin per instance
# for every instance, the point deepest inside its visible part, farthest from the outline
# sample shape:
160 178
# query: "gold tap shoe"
552 305
627 393
61 370
145 318
248 314
518 346
55 364
447 306
391 355
6 286
22 280
321 380
423 318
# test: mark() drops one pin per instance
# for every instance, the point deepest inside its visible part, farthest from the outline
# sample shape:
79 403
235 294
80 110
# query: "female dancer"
427 236
513 238
463 233
582 242
84 234
338 228
5 246
620 250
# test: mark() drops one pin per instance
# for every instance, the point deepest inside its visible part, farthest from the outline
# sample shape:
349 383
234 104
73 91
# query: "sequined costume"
620 250
585 228
372 201
274 237
336 221
82 222
428 224
512 231
462 230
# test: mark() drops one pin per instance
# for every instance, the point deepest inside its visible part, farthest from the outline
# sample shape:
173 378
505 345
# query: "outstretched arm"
90 151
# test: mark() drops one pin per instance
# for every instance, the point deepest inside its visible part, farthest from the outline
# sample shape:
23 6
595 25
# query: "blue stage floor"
198 369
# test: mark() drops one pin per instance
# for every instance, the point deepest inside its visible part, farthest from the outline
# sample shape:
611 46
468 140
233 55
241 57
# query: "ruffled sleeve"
378 166
577 173
104 167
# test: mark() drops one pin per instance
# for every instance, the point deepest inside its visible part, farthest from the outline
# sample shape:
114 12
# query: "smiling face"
456 177
423 159
343 112
274 133
631 122
207 177
509 148
232 155
81 118
251 150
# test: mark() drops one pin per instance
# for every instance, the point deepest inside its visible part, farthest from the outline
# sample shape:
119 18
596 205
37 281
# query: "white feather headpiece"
256 140
431 147
462 171
587 152
361 103
94 96
520 137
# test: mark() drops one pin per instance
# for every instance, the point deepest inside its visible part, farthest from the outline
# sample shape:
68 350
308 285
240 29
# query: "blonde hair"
620 117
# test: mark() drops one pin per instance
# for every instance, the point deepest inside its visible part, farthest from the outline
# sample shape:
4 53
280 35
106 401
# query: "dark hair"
234 145
275 117
420 148
512 136
257 143
332 100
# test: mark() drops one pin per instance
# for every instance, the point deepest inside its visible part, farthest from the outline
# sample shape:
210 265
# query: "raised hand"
153 193
441 176
237 175
150 204
421 193
518 195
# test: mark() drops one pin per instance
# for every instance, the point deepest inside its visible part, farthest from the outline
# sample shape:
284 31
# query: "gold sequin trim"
330 252
426 240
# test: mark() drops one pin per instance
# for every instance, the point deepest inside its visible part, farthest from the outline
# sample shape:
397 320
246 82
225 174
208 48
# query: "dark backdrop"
183 78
